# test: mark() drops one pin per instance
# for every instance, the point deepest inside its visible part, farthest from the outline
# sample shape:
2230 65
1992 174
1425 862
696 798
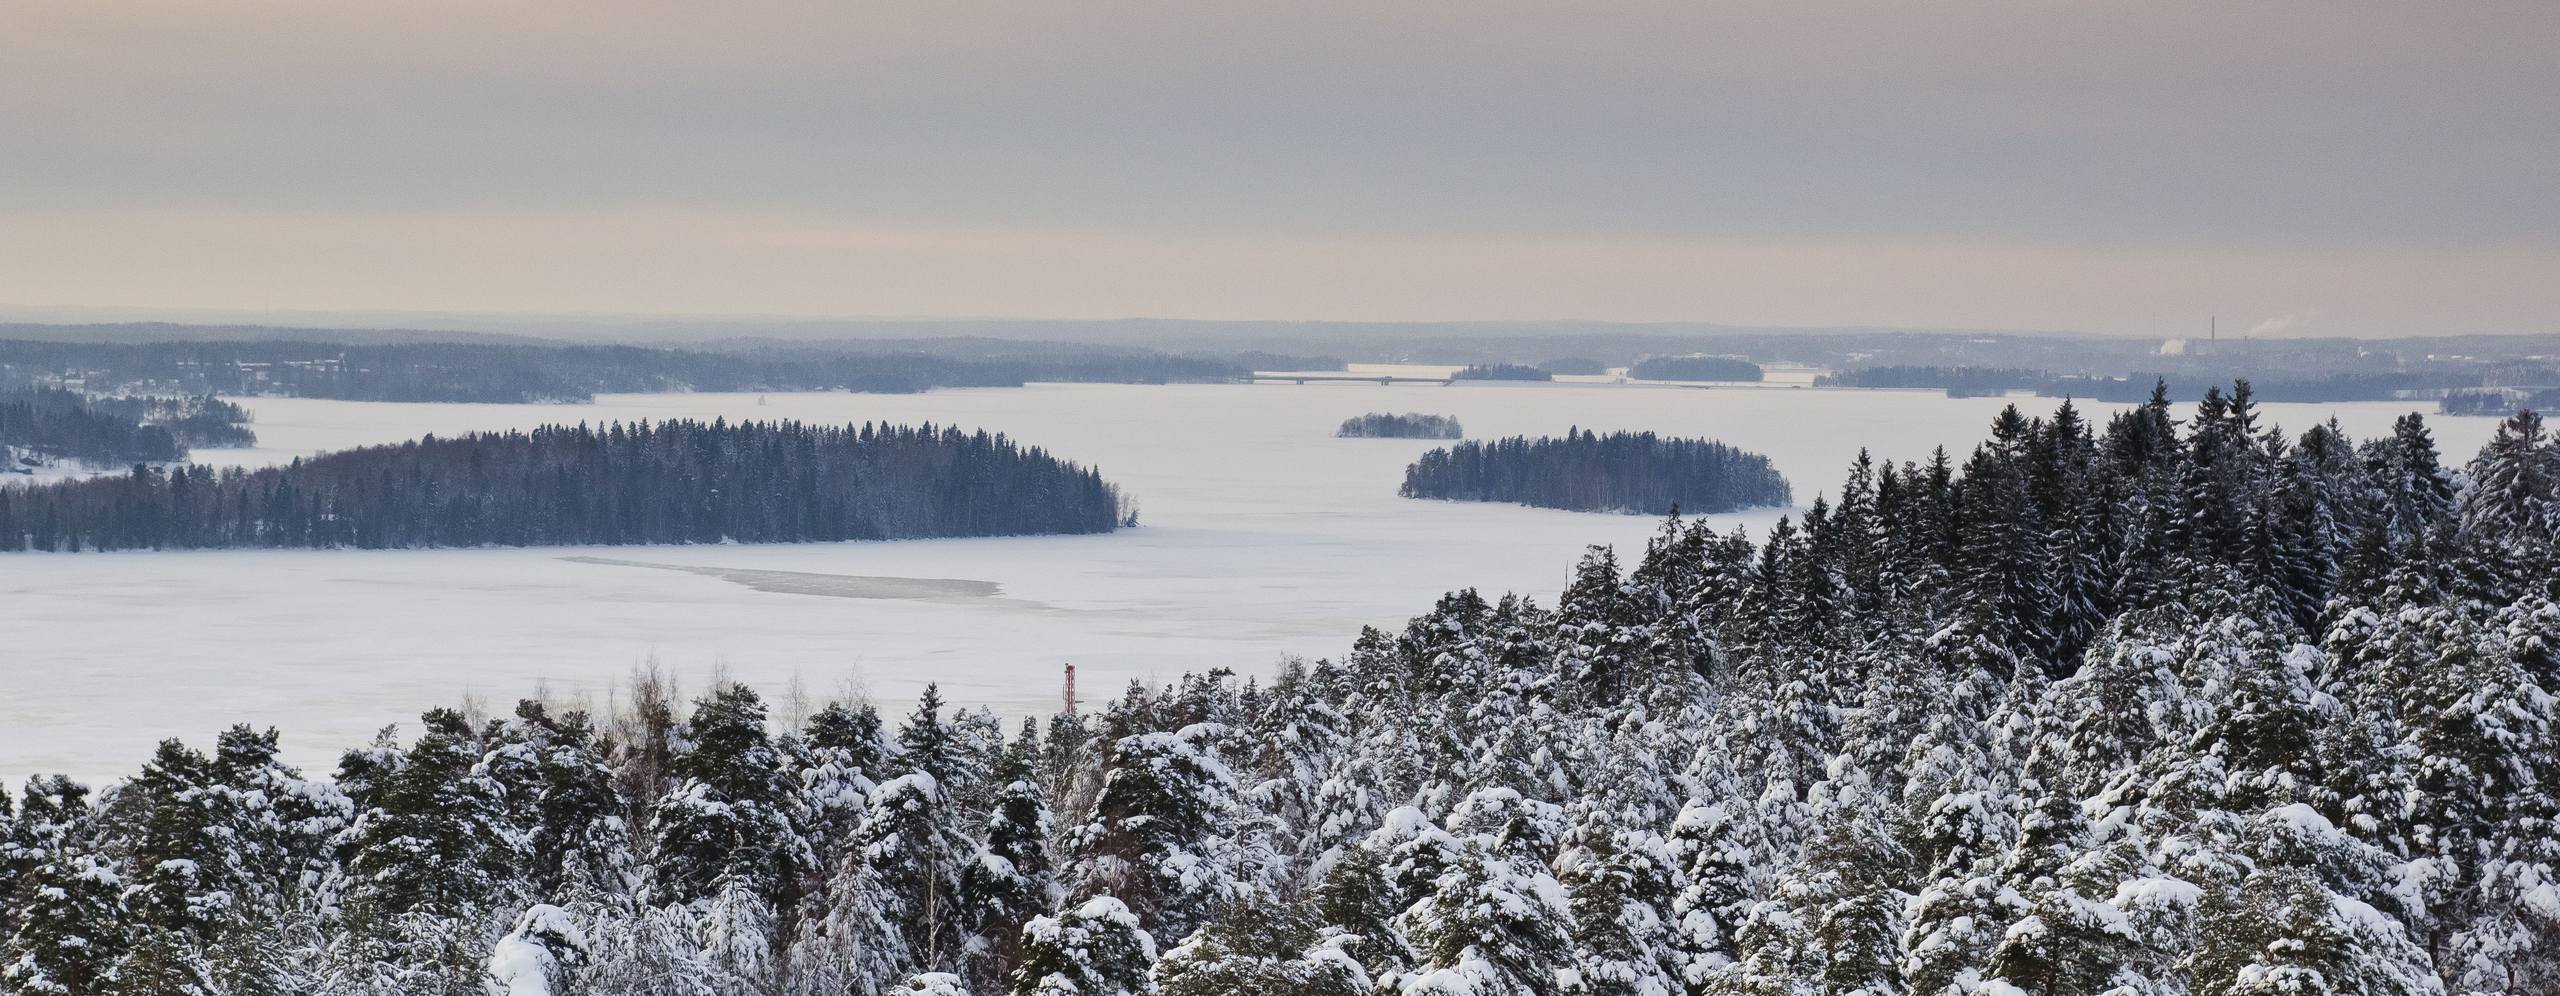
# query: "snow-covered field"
1262 536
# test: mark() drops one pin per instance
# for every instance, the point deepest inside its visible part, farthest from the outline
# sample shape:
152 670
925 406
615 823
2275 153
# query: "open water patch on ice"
829 585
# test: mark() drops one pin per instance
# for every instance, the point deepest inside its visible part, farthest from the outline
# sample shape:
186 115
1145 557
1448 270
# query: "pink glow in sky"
2365 169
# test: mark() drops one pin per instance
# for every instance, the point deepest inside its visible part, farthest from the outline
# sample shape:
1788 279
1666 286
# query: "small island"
1410 425
1695 368
1633 472
1500 371
666 482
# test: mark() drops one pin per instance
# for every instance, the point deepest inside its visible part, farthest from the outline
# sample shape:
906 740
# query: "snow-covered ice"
1261 535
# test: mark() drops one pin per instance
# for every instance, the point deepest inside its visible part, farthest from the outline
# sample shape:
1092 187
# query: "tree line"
39 425
1501 371
2498 402
2383 385
677 481
1695 368
1984 379
1409 425
2182 706
484 372
1588 472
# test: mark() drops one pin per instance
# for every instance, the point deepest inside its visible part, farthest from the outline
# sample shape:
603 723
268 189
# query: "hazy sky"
2323 168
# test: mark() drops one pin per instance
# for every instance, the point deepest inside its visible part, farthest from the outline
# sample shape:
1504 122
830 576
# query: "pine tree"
431 833
1356 904
161 961
1096 949
578 845
185 873
726 817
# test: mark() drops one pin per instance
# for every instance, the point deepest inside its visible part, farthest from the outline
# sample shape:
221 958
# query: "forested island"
2173 706
676 481
41 425
1410 425
1966 379
1695 368
2498 402
512 373
1501 371
1587 472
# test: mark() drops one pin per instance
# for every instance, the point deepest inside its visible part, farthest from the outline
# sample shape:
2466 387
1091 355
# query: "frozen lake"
1261 536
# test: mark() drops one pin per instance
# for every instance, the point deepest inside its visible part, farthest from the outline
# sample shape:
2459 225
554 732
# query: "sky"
2331 168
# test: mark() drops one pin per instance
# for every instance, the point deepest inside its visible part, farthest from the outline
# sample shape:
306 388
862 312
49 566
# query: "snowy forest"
1587 472
1695 368
2169 706
1501 371
675 481
39 425
1410 425
544 372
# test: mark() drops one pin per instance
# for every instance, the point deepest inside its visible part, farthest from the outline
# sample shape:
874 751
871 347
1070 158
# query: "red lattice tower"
1071 688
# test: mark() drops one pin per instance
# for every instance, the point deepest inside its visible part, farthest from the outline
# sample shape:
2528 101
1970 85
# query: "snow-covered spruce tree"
1159 833
1723 858
2283 933
1261 946
51 816
1956 918
1600 629
1833 924
1095 949
2507 498
1356 907
913 854
1297 740
544 955
2481 810
1012 878
844 755
70 932
1620 885
1495 924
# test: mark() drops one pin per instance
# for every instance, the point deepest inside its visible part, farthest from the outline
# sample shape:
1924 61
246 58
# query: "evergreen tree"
1264 946
726 817
1494 924
1154 836
430 833
70 933
1096 949
1012 878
